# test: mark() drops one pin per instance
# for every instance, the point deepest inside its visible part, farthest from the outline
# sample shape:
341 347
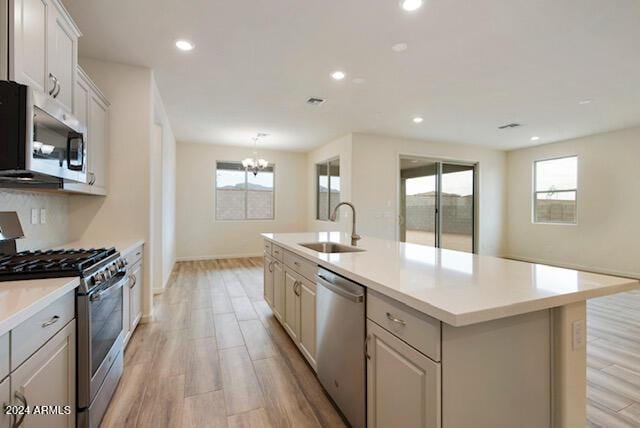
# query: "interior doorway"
437 203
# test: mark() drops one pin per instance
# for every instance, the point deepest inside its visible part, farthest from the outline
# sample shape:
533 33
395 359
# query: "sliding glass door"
437 203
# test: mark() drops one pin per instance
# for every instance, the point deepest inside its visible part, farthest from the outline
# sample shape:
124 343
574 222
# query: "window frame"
246 192
535 192
327 164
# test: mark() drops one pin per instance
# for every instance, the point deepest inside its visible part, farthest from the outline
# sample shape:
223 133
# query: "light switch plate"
578 334
34 216
43 216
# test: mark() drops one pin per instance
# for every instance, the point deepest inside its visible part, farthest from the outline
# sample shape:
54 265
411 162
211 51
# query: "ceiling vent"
315 101
509 125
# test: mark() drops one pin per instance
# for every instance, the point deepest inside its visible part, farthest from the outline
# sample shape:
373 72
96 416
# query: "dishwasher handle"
336 288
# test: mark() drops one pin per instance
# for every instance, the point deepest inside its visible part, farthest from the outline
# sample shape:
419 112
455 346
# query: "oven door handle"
119 284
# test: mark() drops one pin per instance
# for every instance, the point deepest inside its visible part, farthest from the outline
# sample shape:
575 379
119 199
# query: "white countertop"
19 300
455 287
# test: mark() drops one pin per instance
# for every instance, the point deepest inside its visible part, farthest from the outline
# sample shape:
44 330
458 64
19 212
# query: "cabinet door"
126 311
48 377
403 385
29 48
278 290
62 56
292 304
268 280
97 141
5 399
135 296
81 103
308 320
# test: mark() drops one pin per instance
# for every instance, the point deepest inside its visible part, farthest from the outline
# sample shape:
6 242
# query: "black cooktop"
50 263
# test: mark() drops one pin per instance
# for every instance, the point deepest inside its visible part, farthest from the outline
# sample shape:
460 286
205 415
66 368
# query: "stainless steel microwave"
39 141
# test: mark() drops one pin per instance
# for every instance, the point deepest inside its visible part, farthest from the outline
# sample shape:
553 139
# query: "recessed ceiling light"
338 75
410 5
535 138
585 101
358 80
184 45
399 47
417 119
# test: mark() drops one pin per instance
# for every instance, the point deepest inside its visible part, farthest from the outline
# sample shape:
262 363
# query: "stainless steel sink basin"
331 247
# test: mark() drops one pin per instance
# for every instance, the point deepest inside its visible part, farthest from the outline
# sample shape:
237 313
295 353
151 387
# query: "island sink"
331 247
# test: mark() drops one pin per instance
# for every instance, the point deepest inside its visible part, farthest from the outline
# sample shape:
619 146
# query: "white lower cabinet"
307 302
278 290
291 304
135 296
268 280
48 378
132 293
5 399
292 296
403 385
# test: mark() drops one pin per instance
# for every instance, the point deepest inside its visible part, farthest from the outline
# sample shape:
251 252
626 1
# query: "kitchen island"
453 339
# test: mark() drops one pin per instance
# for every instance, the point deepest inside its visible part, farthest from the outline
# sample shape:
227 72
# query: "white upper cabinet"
29 43
62 54
91 108
43 48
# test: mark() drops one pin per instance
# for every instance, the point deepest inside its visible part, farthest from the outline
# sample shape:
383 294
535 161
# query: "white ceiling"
470 66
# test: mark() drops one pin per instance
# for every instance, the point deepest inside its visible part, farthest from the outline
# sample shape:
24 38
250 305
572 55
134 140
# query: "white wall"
168 193
199 235
54 232
124 213
369 175
607 235
340 147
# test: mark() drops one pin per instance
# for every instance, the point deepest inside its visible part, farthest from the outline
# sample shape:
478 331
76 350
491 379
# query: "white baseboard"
146 318
594 269
217 257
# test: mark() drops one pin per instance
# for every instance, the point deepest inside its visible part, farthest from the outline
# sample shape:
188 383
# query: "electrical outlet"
34 216
578 333
43 216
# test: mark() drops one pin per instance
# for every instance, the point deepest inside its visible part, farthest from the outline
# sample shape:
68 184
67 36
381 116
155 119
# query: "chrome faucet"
354 236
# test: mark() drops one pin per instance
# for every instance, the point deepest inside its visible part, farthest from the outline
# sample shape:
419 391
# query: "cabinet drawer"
267 247
277 252
4 355
417 329
135 255
302 266
31 334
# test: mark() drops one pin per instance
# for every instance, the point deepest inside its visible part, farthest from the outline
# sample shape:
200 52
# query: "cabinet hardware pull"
270 266
296 288
296 263
57 92
133 280
54 319
396 320
366 347
55 84
22 398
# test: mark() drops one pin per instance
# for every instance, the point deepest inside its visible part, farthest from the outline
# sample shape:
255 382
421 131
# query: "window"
327 188
556 190
240 195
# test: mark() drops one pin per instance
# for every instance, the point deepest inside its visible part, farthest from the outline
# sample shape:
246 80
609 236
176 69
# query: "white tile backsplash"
37 236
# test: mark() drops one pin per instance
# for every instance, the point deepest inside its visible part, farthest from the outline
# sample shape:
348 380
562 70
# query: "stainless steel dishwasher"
340 321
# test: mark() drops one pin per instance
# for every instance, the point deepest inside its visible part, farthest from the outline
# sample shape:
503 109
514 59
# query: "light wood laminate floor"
216 357
613 361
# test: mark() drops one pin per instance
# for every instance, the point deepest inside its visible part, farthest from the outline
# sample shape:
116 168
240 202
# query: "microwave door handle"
73 136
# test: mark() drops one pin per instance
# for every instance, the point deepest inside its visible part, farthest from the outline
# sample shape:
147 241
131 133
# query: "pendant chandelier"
255 164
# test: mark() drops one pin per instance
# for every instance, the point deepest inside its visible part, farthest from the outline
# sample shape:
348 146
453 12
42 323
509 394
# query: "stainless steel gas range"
99 305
